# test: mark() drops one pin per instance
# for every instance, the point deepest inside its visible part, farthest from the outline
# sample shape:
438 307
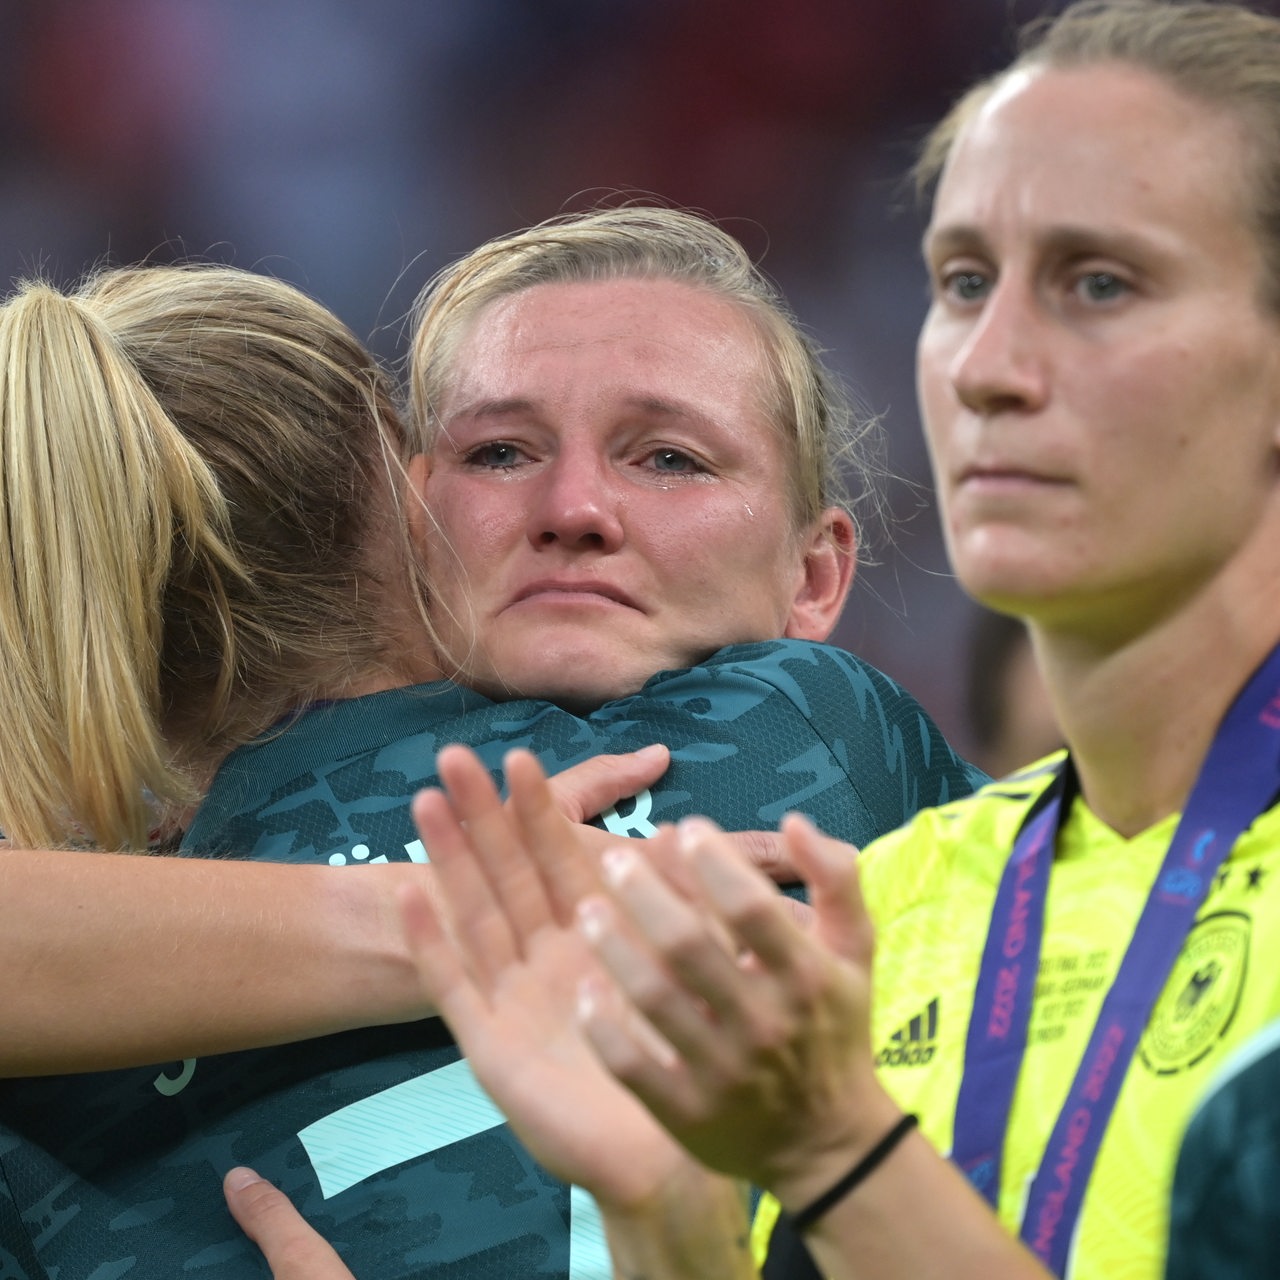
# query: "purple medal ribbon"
1238 780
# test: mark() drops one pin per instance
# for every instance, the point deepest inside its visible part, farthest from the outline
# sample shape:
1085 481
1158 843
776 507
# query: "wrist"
839 1146
379 982
858 1173
680 1187
696 1227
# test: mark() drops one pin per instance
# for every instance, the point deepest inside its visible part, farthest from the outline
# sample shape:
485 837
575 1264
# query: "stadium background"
355 146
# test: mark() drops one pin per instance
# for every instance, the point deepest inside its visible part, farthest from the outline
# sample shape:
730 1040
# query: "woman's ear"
417 473
827 568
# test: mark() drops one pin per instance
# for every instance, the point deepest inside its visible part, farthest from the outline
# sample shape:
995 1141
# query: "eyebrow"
949 239
1062 241
660 406
496 408
515 406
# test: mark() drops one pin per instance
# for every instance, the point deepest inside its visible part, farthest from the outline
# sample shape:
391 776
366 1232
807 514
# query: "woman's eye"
498 454
672 460
1101 286
966 286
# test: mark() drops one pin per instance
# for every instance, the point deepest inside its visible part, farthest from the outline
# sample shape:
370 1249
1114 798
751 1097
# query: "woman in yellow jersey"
1063 961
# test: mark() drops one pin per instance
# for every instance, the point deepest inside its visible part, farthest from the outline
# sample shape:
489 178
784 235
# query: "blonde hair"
1224 54
827 441
186 458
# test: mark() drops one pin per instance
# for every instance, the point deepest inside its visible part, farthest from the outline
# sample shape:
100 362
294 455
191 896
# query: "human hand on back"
585 789
294 1250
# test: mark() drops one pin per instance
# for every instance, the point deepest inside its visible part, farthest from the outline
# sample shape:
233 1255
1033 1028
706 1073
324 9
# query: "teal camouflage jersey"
1225 1217
382 1137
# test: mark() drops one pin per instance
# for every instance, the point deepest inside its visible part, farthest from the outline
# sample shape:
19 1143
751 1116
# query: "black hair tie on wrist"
810 1214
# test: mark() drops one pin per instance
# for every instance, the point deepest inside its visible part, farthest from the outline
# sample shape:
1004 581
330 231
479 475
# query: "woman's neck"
1140 716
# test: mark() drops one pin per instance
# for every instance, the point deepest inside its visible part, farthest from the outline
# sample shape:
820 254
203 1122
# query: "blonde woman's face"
1099 381
612 501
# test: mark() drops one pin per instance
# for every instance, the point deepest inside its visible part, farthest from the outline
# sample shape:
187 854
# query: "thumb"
292 1248
583 790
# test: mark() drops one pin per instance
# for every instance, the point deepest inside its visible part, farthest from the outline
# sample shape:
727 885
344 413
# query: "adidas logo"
915 1044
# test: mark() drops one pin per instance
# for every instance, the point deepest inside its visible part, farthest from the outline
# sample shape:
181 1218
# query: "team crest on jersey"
1201 997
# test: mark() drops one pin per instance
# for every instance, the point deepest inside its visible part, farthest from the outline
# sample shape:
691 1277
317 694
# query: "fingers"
730 960
293 1250
829 869
635 934
633 1051
768 852
513 876
672 956
797 952
662 852
800 912
583 790
486 881
472 914
770 972
560 850
501 873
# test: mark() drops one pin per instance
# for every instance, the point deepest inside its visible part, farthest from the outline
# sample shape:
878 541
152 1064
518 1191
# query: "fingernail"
238 1179
591 919
692 831
615 863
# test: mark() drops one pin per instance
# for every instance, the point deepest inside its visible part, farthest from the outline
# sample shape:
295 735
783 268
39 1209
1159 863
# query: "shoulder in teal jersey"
1225 1218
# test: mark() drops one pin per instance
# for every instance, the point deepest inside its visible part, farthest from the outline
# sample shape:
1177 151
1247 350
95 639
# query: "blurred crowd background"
356 146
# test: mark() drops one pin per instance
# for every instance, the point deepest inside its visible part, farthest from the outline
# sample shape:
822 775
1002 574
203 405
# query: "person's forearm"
915 1216
697 1229
110 960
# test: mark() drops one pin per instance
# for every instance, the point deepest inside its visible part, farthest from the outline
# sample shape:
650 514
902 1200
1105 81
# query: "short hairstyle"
186 455
1225 54
828 443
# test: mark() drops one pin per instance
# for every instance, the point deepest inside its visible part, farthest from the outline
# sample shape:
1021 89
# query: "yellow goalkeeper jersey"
930 888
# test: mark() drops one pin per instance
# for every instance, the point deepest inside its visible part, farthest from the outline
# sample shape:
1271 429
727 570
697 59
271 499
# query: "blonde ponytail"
96 502
200 536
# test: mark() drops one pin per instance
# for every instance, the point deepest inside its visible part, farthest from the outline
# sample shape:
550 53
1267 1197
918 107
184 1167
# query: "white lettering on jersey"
416 1118
360 852
170 1085
634 823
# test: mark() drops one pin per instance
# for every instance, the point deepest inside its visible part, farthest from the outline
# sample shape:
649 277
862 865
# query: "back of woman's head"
186 458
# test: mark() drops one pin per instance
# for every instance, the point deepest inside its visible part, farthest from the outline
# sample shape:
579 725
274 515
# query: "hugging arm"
147 959
150 959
